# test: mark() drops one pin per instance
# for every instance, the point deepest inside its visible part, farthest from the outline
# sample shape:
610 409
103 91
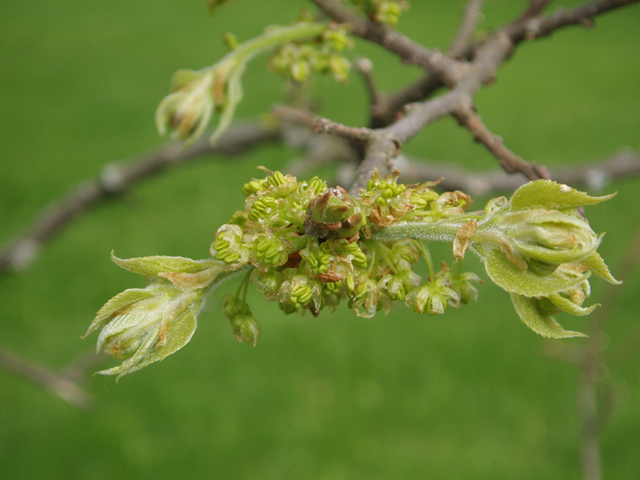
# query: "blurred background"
472 394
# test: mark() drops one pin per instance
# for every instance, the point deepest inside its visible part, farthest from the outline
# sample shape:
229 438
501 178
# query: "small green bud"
268 283
364 300
301 291
269 252
393 287
232 306
253 186
245 329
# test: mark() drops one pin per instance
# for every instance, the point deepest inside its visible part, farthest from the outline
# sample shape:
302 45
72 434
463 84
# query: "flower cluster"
308 246
296 60
314 246
382 11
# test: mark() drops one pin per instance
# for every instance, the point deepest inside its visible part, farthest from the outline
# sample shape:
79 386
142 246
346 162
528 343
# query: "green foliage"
310 246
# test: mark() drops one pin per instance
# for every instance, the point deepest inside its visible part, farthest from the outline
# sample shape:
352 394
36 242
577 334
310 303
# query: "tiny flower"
300 291
385 201
229 245
268 283
461 283
364 299
432 297
270 251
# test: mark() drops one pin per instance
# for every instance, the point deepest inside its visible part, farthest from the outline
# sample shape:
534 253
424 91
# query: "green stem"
442 231
274 37
427 256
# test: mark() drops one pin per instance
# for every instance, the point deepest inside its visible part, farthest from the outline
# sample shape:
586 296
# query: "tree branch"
116 179
510 162
538 26
448 69
65 384
470 18
595 175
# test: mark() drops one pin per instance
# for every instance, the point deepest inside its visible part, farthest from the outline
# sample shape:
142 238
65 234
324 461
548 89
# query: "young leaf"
544 325
154 265
599 268
117 303
509 276
551 195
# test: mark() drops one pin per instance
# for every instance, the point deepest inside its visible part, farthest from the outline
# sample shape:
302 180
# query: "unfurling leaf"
154 265
539 322
509 277
551 195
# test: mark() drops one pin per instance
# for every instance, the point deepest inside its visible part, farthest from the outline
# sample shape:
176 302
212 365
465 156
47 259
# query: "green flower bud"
268 283
269 252
461 284
338 39
339 67
301 291
392 286
245 329
253 186
233 307
300 70
386 201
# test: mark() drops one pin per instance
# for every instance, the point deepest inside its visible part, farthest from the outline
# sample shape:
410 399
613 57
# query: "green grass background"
466 395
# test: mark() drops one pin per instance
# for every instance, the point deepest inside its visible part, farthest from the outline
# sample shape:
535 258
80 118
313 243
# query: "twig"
535 8
448 69
116 179
536 27
322 125
595 175
510 162
470 18
365 68
65 384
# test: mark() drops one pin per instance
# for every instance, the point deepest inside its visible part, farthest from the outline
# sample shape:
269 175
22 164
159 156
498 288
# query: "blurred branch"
510 162
535 8
470 18
595 175
65 384
365 68
464 79
540 26
116 179
448 69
